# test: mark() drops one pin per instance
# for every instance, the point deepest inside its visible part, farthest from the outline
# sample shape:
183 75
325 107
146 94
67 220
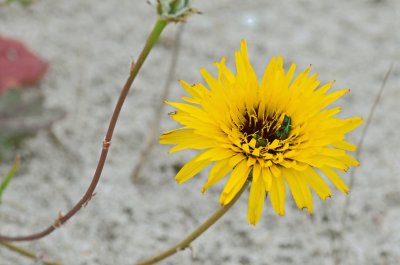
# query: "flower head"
276 133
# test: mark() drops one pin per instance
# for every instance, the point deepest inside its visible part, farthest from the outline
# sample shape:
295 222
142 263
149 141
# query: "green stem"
185 243
4 183
154 35
25 252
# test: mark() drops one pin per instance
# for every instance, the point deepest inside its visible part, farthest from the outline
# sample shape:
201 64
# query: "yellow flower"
276 132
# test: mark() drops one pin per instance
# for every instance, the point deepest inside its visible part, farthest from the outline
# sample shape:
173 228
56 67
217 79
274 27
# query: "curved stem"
26 253
185 243
152 39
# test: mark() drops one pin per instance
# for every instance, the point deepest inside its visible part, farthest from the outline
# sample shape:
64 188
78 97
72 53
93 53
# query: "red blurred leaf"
18 65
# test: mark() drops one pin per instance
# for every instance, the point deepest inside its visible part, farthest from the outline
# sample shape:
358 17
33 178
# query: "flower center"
266 130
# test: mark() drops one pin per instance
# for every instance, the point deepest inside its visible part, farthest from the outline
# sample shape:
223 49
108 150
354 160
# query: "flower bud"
175 10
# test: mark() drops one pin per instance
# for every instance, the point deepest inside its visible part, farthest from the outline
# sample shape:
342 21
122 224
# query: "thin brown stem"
185 243
158 28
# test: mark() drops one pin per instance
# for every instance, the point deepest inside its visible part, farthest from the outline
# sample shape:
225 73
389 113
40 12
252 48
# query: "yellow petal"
351 124
317 183
218 171
211 81
256 170
321 161
256 200
350 161
225 75
299 189
191 168
194 111
278 195
215 154
251 161
276 172
185 139
334 96
336 180
345 146
196 91
235 182
236 159
267 177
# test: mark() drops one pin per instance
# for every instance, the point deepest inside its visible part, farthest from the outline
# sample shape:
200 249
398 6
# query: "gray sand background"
90 44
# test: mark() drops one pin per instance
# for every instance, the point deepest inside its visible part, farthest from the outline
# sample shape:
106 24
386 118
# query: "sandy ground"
89 45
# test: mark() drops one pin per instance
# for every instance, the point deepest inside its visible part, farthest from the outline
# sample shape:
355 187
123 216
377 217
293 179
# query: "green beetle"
283 132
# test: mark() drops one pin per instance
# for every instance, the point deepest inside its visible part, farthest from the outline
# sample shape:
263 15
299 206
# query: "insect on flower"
284 130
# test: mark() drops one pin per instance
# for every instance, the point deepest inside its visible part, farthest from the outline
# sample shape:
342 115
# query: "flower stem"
155 34
25 252
152 39
155 127
185 243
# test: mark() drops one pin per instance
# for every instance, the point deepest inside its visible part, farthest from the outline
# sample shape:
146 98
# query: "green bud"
175 10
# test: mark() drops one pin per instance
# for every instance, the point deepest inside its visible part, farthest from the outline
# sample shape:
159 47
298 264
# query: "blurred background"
88 46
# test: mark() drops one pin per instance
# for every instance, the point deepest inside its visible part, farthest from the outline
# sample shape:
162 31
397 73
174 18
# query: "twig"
155 127
152 39
185 243
357 156
360 144
26 253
